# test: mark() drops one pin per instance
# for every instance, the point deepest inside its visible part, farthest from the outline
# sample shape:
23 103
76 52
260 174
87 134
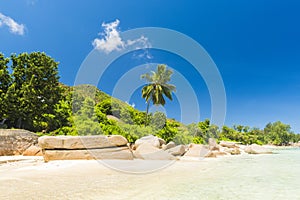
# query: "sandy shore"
248 177
31 178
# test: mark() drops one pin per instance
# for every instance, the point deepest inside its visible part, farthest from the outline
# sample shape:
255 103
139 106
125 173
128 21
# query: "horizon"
255 46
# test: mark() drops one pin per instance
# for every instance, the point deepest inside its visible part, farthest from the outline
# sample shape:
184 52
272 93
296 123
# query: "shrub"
134 132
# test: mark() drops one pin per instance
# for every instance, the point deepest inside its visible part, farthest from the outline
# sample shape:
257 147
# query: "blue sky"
255 45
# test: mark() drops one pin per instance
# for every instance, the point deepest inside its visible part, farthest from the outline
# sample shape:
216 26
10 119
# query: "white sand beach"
237 177
32 178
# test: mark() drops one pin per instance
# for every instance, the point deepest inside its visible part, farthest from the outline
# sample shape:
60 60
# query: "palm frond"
158 86
147 76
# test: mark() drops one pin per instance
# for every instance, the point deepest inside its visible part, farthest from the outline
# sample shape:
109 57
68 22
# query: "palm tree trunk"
147 110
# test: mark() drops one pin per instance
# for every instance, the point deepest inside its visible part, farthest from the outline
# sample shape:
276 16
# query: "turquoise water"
255 177
263 177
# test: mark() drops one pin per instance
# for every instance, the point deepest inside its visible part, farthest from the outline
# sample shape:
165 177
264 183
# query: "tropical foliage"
30 93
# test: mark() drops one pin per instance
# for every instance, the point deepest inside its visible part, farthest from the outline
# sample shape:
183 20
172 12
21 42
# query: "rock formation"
150 139
228 144
256 149
168 146
16 141
85 147
178 150
196 150
148 152
33 151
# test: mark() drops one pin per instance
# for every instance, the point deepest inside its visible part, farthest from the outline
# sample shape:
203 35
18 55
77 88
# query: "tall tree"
157 87
278 133
35 89
5 81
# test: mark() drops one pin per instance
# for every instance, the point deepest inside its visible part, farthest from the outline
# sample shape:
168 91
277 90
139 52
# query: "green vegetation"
30 93
274 133
32 98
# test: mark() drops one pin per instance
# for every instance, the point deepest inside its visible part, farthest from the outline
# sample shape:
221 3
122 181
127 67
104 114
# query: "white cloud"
142 42
112 40
13 26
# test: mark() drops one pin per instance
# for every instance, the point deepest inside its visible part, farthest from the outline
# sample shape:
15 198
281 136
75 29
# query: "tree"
228 133
34 91
158 120
278 133
238 128
169 131
157 87
86 121
5 81
203 131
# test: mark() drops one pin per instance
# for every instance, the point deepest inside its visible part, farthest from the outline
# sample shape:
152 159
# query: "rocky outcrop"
85 147
117 153
212 150
215 153
234 151
257 149
213 146
197 150
296 144
33 151
178 150
150 139
81 142
161 141
16 141
228 144
148 152
168 146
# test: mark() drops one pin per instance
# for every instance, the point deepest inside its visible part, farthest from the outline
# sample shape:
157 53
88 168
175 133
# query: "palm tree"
158 87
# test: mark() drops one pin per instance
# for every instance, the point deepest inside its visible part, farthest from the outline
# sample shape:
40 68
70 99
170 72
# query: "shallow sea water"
256 177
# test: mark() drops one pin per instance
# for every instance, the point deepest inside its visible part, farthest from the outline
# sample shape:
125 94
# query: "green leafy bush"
158 120
134 132
169 131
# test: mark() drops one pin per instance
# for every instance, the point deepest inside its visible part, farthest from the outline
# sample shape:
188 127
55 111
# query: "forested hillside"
32 98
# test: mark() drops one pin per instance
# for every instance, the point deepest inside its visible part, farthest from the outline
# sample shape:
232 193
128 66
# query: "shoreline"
32 159
36 161
40 159
213 178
